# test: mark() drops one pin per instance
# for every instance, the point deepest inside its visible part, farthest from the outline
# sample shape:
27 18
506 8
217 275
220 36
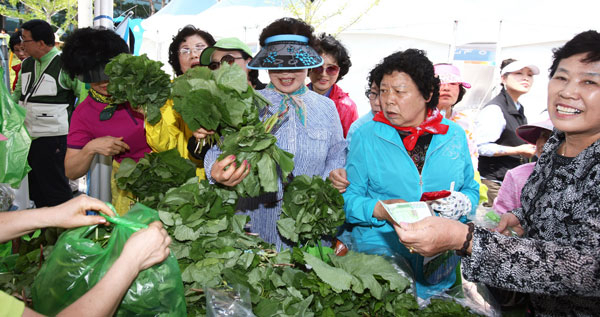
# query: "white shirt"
489 126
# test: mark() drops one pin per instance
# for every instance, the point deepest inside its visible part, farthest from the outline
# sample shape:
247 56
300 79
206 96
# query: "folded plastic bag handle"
120 221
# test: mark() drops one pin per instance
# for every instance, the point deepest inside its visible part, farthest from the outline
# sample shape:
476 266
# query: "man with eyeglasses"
48 94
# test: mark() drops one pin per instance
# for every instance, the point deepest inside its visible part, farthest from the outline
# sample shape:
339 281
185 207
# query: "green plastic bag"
78 263
14 151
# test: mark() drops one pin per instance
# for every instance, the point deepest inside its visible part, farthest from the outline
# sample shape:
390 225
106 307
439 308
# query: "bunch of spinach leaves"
220 100
141 81
153 175
208 237
214 251
256 146
312 209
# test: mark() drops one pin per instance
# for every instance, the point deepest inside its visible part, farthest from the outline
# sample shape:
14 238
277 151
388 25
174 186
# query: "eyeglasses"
196 49
330 70
23 41
225 59
371 95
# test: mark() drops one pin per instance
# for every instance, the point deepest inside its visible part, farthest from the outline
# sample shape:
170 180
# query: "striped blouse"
318 148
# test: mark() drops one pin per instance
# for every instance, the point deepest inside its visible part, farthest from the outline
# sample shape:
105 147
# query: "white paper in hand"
408 212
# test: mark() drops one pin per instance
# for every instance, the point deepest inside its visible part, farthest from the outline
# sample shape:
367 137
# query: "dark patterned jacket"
558 259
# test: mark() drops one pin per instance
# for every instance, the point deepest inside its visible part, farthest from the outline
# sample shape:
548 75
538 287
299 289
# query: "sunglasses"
330 70
225 59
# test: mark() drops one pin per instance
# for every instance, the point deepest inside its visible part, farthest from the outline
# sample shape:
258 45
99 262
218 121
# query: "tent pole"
103 14
452 46
497 62
85 13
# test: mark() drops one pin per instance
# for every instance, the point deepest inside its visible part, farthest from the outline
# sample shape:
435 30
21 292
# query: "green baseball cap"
228 44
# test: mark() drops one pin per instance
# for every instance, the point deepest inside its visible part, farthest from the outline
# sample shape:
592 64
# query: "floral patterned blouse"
557 261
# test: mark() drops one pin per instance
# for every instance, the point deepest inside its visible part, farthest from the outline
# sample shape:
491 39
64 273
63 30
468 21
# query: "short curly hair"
88 48
327 44
585 42
375 75
183 34
288 26
415 63
15 39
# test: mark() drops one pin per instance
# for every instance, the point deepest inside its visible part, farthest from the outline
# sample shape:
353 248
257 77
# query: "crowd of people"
541 177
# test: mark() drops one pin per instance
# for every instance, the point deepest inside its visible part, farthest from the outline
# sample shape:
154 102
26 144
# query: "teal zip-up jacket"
379 168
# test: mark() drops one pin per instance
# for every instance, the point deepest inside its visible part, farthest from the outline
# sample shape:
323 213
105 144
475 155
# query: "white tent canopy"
525 30
243 19
520 29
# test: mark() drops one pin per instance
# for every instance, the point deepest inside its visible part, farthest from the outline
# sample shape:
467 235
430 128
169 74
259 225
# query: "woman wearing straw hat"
309 126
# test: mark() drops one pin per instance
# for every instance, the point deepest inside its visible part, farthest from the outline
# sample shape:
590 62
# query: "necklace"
564 149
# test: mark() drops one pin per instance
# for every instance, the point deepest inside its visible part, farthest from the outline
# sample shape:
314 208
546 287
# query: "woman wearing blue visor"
309 126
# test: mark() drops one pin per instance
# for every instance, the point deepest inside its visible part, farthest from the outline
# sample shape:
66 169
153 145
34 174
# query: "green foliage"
329 16
17 271
312 209
216 100
439 307
256 146
209 240
141 81
48 11
154 174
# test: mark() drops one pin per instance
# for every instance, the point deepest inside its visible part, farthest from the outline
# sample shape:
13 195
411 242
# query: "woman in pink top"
99 125
509 195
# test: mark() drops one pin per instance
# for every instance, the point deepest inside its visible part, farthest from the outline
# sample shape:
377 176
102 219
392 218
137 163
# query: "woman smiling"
555 257
308 127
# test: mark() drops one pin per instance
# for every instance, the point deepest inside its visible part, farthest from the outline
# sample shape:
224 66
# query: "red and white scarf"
432 124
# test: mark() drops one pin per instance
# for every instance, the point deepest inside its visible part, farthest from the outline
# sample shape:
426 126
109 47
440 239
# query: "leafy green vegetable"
220 100
18 270
440 307
254 145
208 237
154 174
312 209
141 81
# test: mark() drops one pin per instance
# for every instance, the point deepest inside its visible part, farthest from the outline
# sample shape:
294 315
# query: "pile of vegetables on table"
214 251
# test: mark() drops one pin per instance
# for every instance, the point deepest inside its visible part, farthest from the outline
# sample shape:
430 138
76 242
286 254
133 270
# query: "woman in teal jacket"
407 150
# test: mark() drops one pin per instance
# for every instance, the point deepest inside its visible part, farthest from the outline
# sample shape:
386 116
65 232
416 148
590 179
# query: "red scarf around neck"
432 124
